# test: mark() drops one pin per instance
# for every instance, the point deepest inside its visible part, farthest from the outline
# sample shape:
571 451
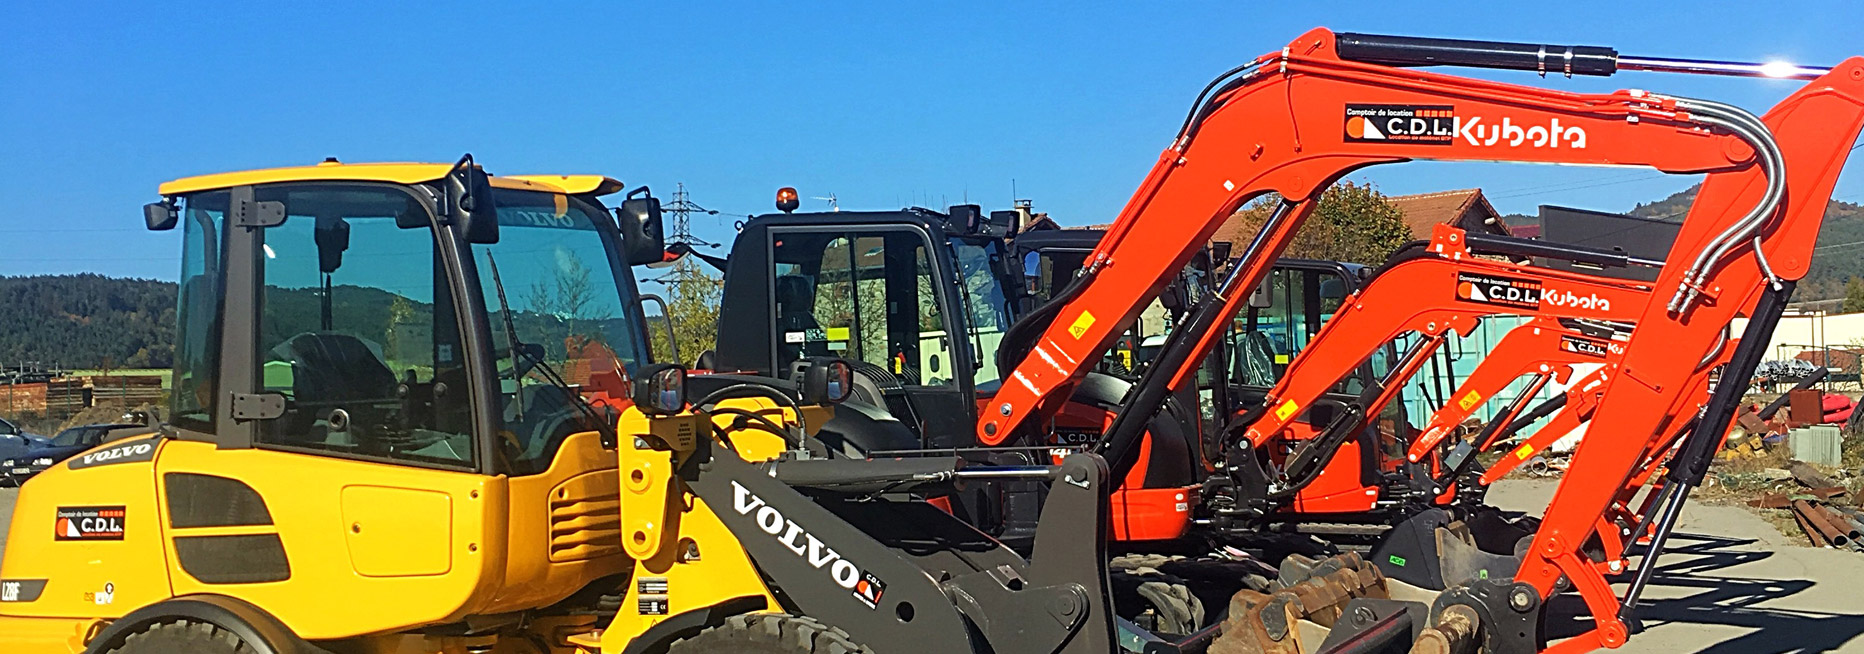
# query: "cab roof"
395 173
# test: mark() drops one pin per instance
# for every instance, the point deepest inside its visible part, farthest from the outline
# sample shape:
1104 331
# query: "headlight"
8 463
42 461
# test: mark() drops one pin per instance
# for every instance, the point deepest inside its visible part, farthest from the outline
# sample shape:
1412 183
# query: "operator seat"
330 370
334 367
795 298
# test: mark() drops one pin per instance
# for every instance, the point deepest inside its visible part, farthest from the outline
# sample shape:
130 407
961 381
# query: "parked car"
14 442
16 469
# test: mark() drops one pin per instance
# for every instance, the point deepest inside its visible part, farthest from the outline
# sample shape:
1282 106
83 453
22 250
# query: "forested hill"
86 321
1839 255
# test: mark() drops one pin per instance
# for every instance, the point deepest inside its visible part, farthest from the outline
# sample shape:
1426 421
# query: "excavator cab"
394 402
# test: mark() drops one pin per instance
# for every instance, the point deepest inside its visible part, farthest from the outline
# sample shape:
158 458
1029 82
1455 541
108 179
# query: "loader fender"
659 637
257 628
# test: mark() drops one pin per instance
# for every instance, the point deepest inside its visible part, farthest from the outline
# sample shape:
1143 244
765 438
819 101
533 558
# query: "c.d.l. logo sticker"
89 523
1500 291
1426 124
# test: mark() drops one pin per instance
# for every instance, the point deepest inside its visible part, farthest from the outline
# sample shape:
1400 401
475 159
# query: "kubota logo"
1512 135
1439 125
1591 302
865 586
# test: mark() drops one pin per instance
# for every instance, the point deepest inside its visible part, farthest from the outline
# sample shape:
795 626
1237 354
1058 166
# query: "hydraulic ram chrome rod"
1568 60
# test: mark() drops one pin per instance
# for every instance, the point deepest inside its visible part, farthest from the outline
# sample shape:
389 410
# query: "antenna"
830 199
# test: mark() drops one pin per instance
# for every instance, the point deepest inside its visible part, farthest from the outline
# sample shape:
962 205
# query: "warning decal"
1286 410
1470 401
1524 451
1081 325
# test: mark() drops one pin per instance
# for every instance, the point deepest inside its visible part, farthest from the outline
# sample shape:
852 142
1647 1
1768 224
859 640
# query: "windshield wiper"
538 364
511 336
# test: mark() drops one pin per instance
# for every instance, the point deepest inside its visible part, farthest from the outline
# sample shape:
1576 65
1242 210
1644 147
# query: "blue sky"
880 104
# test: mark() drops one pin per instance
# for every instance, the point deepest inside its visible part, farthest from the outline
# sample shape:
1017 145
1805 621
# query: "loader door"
339 458
874 296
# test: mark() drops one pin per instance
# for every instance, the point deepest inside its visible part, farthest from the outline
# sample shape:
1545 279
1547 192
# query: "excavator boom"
1291 123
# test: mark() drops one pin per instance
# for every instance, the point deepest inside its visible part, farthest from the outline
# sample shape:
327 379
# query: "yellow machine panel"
398 532
84 542
695 561
565 528
309 498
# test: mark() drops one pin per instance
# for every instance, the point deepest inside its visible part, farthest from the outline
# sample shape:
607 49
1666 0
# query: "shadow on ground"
1697 596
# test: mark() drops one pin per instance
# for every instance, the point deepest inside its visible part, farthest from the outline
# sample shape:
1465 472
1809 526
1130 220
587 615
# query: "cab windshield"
554 281
982 276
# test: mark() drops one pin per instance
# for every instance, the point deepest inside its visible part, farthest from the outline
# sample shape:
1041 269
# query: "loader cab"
394 400
379 324
917 300
1051 260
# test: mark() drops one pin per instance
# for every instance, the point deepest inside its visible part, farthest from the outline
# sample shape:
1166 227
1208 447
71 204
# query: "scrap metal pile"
1823 509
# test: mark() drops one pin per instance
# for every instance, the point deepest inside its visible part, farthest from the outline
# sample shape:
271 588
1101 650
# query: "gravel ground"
1729 582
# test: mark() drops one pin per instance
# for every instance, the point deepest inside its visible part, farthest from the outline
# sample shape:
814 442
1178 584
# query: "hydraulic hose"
1748 128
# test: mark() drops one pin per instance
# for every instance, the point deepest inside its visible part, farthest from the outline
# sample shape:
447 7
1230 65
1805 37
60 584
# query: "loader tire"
182 637
769 633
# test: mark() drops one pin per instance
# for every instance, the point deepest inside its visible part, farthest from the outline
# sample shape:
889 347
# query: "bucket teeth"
1315 590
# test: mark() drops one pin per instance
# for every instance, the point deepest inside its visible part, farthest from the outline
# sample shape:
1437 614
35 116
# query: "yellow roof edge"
399 173
576 184
395 173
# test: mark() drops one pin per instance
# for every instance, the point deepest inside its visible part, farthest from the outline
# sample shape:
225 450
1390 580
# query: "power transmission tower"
682 207
692 294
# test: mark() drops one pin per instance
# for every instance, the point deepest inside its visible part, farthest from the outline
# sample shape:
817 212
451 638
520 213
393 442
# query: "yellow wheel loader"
394 402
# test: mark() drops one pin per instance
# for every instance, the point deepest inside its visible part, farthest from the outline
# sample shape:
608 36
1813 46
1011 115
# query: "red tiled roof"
1424 210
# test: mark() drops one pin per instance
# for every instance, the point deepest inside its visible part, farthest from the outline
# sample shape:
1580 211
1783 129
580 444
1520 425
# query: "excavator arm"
1538 347
1440 290
1718 268
1293 122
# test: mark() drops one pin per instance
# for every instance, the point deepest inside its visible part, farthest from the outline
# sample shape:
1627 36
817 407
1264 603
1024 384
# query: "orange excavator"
1432 291
1293 122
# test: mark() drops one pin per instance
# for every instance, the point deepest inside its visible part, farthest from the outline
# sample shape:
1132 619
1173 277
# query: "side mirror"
1264 295
964 218
827 381
642 235
1219 252
469 201
661 389
1002 224
160 216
